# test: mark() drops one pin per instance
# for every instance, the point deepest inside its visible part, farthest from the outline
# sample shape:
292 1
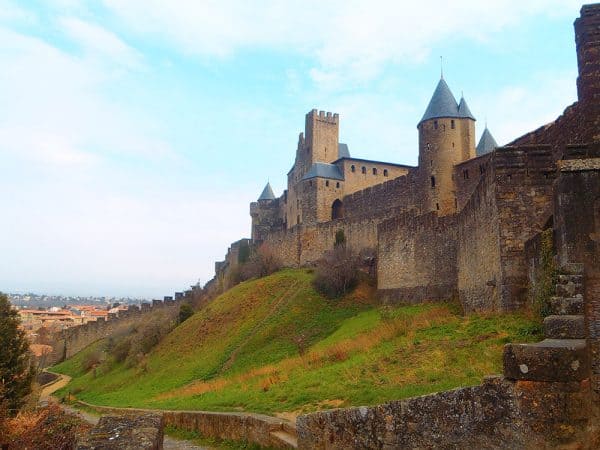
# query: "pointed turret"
464 111
442 103
267 193
487 143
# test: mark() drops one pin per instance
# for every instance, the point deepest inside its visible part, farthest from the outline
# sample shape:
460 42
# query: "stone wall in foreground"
497 414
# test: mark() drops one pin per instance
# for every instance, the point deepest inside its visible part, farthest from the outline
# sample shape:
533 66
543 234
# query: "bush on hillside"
16 374
337 272
131 346
185 312
262 262
91 361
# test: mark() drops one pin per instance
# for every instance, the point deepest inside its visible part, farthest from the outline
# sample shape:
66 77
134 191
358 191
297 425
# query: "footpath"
169 443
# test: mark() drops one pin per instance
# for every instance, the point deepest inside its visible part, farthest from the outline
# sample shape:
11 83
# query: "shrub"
340 238
264 261
120 348
337 272
44 429
185 312
91 361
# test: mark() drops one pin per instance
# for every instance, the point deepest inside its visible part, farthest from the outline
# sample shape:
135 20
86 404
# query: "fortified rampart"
455 225
71 340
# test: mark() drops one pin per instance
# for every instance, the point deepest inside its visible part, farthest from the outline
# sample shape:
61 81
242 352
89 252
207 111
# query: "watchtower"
446 138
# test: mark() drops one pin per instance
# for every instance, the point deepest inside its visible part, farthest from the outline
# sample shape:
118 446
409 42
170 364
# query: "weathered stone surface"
562 305
265 431
565 327
549 360
128 432
480 417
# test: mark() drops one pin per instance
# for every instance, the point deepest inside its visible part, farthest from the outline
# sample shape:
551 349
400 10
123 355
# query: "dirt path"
169 443
50 389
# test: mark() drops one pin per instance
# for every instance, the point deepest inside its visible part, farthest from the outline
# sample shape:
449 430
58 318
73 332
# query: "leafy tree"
15 372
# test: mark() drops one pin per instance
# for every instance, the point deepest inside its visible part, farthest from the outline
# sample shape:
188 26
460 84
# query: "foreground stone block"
564 327
130 432
548 360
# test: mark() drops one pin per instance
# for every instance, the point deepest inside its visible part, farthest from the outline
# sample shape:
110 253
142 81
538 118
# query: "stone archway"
337 209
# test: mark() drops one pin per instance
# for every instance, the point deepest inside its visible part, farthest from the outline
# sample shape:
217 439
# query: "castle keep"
455 225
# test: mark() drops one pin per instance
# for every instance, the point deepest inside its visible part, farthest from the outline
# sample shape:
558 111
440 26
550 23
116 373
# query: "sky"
135 133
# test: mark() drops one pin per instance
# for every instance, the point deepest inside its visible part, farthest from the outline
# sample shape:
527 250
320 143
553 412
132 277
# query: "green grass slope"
275 345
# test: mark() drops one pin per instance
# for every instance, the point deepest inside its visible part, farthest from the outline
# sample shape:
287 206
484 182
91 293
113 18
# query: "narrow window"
310 182
452 125
374 171
435 125
432 182
437 206
352 168
428 146
431 163
364 169
327 183
298 219
453 145
337 185
455 203
385 172
466 174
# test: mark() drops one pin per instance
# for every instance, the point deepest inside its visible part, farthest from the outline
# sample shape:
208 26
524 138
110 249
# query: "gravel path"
169 443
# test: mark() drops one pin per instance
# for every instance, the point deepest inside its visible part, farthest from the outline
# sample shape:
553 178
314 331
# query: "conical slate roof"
267 193
487 143
442 103
463 109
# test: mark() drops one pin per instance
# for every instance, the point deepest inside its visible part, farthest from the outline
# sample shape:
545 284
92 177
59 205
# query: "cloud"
100 42
353 39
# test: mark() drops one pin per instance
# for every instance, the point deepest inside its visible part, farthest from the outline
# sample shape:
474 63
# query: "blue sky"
134 133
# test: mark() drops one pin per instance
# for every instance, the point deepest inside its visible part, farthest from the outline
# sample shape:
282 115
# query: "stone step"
564 327
569 289
566 305
549 360
572 269
284 440
566 279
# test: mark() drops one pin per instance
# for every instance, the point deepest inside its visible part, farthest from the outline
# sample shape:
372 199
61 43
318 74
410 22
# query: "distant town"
31 300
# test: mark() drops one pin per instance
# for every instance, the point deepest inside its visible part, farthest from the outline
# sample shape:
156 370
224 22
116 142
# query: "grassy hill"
275 345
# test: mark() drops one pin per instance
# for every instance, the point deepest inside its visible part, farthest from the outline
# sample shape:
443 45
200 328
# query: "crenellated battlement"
323 116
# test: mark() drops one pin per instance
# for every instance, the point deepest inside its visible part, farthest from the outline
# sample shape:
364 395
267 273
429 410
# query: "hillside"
275 345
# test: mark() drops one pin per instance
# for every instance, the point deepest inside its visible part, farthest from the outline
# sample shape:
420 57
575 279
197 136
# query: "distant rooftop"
267 193
443 104
324 170
487 143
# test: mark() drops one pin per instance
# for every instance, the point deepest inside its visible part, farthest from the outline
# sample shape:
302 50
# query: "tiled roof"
324 170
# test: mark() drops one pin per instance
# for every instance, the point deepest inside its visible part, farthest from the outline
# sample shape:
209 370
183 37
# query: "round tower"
446 138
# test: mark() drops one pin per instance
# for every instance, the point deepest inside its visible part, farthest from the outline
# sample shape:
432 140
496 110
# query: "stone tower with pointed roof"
446 138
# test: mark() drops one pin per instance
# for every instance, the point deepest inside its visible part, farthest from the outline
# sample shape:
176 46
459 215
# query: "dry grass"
43 429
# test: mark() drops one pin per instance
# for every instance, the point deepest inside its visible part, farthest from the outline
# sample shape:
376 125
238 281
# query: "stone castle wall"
71 340
478 253
417 258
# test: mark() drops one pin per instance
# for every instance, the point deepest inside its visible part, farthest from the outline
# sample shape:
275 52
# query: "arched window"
352 168
364 169
452 125
385 172
337 185
374 170
327 183
337 209
432 182
437 206
435 125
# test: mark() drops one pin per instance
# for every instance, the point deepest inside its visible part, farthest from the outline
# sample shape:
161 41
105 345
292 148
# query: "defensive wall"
548 396
69 341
